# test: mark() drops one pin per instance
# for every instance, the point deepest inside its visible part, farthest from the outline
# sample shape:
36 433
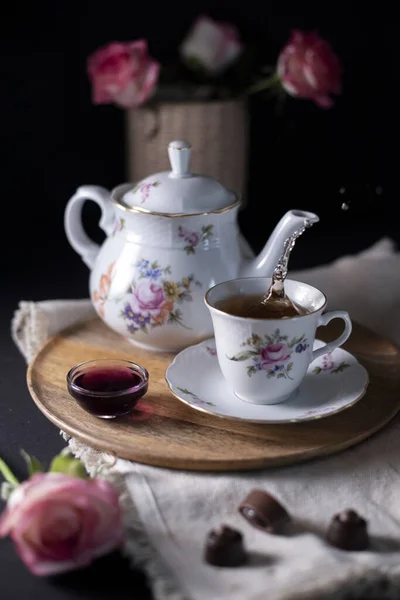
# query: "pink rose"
122 74
327 362
193 238
274 354
60 523
147 298
214 46
145 190
308 68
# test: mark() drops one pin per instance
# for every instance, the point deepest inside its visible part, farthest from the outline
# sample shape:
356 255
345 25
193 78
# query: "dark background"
54 139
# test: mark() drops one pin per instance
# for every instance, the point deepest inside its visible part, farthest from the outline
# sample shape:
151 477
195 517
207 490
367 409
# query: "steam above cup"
264 361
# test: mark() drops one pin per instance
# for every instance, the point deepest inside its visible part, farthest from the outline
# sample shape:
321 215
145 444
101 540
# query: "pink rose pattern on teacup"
271 355
144 190
154 298
122 74
192 238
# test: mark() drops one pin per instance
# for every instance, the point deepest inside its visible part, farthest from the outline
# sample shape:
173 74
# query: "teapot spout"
264 264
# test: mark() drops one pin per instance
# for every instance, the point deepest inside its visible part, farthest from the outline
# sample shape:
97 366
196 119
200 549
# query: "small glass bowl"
107 388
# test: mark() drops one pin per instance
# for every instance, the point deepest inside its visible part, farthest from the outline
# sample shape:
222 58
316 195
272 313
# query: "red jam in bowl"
107 388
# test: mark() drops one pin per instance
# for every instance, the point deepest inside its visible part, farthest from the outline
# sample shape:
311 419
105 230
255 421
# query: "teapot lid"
178 191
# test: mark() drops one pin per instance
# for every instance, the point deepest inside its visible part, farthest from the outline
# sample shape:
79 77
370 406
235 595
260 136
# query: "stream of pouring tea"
275 303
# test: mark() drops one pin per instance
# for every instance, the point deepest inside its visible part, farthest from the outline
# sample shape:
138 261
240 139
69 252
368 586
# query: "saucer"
333 383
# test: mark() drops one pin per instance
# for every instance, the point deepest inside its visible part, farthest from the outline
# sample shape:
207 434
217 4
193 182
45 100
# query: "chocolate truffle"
348 531
224 547
263 511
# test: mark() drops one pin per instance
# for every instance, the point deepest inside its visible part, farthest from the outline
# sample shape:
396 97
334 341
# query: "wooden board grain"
164 432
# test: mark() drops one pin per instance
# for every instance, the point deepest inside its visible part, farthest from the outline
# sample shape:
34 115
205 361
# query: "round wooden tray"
164 432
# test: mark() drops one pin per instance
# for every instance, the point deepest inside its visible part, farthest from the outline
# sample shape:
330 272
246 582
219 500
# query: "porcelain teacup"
264 361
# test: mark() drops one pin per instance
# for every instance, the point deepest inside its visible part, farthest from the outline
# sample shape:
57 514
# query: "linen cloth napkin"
168 513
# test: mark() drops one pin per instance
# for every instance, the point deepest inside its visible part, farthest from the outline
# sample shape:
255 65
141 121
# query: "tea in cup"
264 360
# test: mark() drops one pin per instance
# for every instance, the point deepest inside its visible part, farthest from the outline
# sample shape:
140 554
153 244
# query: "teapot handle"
76 235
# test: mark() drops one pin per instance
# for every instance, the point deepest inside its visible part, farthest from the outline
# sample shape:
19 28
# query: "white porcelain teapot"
170 237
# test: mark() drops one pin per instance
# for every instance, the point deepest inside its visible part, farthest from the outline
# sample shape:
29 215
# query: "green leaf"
32 463
280 375
67 452
68 465
245 355
271 374
341 367
206 231
7 473
254 340
289 367
251 370
317 370
295 341
185 391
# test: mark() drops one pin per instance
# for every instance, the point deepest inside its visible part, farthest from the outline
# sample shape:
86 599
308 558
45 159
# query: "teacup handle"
324 320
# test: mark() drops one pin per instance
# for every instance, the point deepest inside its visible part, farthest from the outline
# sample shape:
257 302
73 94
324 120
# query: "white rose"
214 46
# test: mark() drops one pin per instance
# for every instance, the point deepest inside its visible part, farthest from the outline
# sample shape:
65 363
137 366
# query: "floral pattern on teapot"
154 298
186 221
100 296
144 189
119 226
193 238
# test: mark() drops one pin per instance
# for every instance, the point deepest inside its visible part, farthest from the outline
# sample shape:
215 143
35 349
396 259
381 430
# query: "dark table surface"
52 270
22 425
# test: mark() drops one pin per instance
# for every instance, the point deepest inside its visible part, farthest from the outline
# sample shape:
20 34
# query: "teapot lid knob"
179 157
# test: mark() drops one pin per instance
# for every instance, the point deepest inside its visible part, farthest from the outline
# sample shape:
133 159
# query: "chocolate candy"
263 511
348 531
224 547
